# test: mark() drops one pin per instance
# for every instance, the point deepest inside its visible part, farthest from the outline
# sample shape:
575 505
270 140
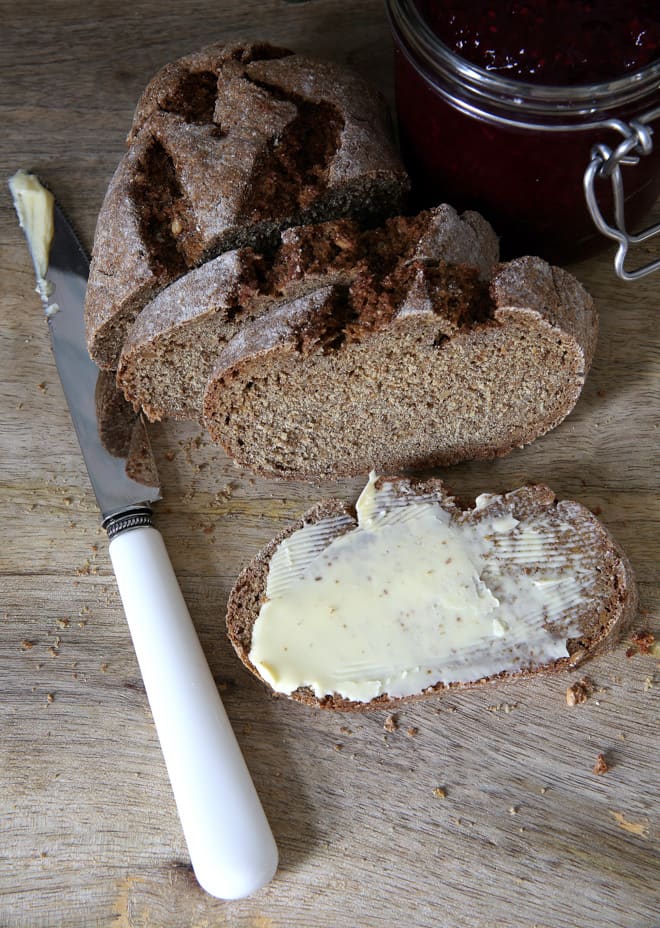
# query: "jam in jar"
503 105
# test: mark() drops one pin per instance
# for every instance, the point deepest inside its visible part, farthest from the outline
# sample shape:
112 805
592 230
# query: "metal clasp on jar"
606 162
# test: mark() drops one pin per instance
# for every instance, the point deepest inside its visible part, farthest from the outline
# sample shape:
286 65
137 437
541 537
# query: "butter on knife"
34 206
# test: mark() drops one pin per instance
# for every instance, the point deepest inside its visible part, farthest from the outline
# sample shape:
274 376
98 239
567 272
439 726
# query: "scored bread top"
574 546
122 431
432 372
228 145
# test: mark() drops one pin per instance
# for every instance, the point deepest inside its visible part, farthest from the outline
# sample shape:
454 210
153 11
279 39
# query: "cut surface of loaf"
409 595
173 347
420 368
229 145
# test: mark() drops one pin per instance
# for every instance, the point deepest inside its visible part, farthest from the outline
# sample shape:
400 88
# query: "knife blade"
61 268
231 846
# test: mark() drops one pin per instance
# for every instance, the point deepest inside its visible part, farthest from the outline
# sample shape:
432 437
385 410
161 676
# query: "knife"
231 846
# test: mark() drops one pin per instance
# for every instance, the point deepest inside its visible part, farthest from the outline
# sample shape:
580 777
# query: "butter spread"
416 594
34 206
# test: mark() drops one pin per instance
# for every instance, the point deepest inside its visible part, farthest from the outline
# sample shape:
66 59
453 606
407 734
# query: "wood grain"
526 833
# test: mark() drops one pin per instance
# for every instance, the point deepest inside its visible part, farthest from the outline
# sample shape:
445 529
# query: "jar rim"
482 91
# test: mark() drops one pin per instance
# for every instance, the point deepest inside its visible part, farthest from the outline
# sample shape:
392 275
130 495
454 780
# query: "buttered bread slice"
409 595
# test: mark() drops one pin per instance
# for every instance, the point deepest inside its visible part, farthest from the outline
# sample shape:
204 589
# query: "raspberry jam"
500 104
560 42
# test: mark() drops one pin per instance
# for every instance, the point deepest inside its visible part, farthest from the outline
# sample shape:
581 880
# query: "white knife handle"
231 846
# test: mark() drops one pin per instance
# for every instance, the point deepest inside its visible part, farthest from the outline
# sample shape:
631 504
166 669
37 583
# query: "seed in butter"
415 595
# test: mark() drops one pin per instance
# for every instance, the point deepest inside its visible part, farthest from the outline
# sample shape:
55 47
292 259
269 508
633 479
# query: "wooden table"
522 833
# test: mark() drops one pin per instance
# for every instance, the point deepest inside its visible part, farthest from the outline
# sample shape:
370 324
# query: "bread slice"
115 417
583 595
419 369
122 431
174 345
229 145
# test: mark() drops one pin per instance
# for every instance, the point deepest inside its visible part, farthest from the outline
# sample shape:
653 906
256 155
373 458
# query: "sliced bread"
409 595
423 367
174 345
229 145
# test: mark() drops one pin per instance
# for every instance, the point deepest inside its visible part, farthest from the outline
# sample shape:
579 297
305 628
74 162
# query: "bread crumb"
634 828
579 691
601 766
345 730
513 810
43 386
104 667
505 707
26 644
391 723
53 651
642 643
50 698
63 623
644 640
412 732
339 747
648 684
440 793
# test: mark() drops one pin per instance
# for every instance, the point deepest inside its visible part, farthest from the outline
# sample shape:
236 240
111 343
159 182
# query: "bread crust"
600 629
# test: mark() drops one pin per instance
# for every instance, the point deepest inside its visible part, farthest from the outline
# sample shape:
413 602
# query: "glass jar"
551 167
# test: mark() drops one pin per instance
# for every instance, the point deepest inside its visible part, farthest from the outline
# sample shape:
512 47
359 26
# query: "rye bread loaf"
173 347
425 367
575 544
229 145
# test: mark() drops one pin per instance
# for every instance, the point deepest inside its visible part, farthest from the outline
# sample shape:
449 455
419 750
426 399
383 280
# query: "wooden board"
525 835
